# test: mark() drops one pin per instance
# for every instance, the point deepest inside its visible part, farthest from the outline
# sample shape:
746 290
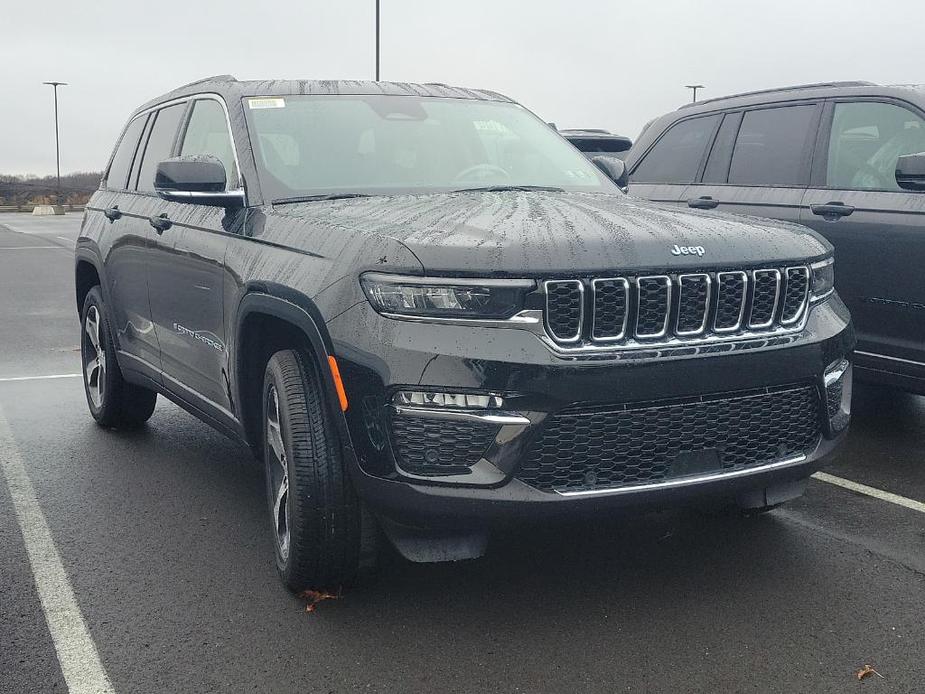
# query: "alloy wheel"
277 474
94 357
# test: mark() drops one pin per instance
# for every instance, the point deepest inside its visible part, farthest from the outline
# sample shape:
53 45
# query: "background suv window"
867 138
117 177
160 144
207 133
771 147
676 157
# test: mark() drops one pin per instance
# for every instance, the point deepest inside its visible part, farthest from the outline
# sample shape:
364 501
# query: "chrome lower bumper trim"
689 481
485 416
874 355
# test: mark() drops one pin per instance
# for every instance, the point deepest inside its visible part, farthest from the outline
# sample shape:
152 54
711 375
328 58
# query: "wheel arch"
270 318
87 275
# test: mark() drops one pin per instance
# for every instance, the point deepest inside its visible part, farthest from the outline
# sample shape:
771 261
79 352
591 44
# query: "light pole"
694 88
377 40
55 85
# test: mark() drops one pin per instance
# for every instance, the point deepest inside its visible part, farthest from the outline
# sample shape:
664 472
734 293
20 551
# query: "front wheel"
314 511
113 401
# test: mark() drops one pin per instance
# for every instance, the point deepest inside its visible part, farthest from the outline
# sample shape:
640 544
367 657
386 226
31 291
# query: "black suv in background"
425 311
594 142
848 160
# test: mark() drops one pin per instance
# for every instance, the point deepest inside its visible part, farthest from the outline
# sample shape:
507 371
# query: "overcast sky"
597 63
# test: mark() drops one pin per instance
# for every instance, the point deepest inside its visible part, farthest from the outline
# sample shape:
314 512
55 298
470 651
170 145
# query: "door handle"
703 203
112 213
160 223
832 211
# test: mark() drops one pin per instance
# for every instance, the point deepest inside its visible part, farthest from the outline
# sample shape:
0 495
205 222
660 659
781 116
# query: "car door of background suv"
879 234
675 160
760 161
186 273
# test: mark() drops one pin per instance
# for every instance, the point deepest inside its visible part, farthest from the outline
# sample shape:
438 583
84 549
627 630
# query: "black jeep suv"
844 158
424 311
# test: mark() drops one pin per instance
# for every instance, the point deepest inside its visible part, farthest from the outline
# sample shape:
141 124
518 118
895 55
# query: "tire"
320 531
113 401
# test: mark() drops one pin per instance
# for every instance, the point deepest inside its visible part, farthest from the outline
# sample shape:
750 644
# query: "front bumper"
379 356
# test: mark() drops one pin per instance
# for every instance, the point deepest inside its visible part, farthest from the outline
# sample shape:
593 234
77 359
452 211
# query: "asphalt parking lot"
166 552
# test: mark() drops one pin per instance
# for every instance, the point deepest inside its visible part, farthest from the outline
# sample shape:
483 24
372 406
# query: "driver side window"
866 140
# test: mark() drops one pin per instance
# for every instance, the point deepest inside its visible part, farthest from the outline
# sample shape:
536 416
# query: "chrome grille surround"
597 288
558 293
646 285
756 275
708 283
723 279
795 275
731 291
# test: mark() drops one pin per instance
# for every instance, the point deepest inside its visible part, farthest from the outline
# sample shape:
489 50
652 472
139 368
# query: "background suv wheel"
112 400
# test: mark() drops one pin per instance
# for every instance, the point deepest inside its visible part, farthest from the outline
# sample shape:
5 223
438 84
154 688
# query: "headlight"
823 279
445 297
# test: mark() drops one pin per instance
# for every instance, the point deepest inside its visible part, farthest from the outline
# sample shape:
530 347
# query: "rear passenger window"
676 157
207 133
117 177
772 146
160 144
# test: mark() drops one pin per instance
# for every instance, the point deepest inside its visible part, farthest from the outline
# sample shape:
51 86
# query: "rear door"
123 244
675 160
185 275
877 228
760 162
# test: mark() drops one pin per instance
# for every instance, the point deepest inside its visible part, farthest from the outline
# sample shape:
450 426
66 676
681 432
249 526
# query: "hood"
549 233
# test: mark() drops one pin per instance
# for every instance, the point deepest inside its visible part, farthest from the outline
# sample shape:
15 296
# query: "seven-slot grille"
654 308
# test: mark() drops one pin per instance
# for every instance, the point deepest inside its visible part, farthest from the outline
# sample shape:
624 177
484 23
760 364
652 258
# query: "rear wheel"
113 401
318 525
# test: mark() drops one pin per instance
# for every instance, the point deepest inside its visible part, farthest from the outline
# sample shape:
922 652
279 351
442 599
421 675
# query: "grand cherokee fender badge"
688 250
206 338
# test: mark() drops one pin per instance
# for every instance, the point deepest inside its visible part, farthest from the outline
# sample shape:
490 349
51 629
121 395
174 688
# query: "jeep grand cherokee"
425 311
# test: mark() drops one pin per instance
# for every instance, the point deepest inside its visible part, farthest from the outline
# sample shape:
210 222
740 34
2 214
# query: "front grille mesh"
585 448
675 308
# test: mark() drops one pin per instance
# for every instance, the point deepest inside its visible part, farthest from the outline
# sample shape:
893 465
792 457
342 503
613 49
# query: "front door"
877 228
186 272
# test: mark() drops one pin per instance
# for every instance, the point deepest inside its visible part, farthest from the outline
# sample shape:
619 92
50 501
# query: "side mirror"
613 168
198 179
910 172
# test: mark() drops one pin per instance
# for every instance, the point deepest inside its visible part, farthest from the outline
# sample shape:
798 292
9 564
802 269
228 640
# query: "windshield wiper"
322 196
501 189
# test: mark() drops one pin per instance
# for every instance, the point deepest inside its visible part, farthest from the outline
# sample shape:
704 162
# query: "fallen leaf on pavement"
313 597
866 671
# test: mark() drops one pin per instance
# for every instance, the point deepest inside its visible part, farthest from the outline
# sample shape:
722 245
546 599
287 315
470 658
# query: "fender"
86 253
297 309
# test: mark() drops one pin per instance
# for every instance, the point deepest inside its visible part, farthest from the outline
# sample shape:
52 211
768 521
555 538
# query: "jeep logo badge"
688 250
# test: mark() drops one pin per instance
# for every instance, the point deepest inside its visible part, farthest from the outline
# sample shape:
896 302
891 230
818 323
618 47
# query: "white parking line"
37 378
870 491
80 662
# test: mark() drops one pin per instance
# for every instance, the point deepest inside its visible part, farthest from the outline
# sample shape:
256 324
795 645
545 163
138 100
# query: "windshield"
329 145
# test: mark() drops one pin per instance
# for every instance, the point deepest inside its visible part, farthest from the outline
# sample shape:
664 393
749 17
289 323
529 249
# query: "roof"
231 88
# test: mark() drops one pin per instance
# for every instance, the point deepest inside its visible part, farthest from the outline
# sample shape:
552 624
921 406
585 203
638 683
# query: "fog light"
838 384
466 401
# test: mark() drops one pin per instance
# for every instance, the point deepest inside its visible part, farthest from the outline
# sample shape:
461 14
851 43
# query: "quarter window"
867 138
771 147
117 177
676 157
207 133
160 144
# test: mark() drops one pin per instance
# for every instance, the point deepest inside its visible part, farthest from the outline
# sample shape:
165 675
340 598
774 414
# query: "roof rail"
795 88
213 78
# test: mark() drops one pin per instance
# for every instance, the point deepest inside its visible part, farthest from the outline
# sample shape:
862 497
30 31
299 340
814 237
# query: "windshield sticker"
491 126
266 102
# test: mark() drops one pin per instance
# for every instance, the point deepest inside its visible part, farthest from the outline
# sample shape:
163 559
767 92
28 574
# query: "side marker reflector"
338 383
